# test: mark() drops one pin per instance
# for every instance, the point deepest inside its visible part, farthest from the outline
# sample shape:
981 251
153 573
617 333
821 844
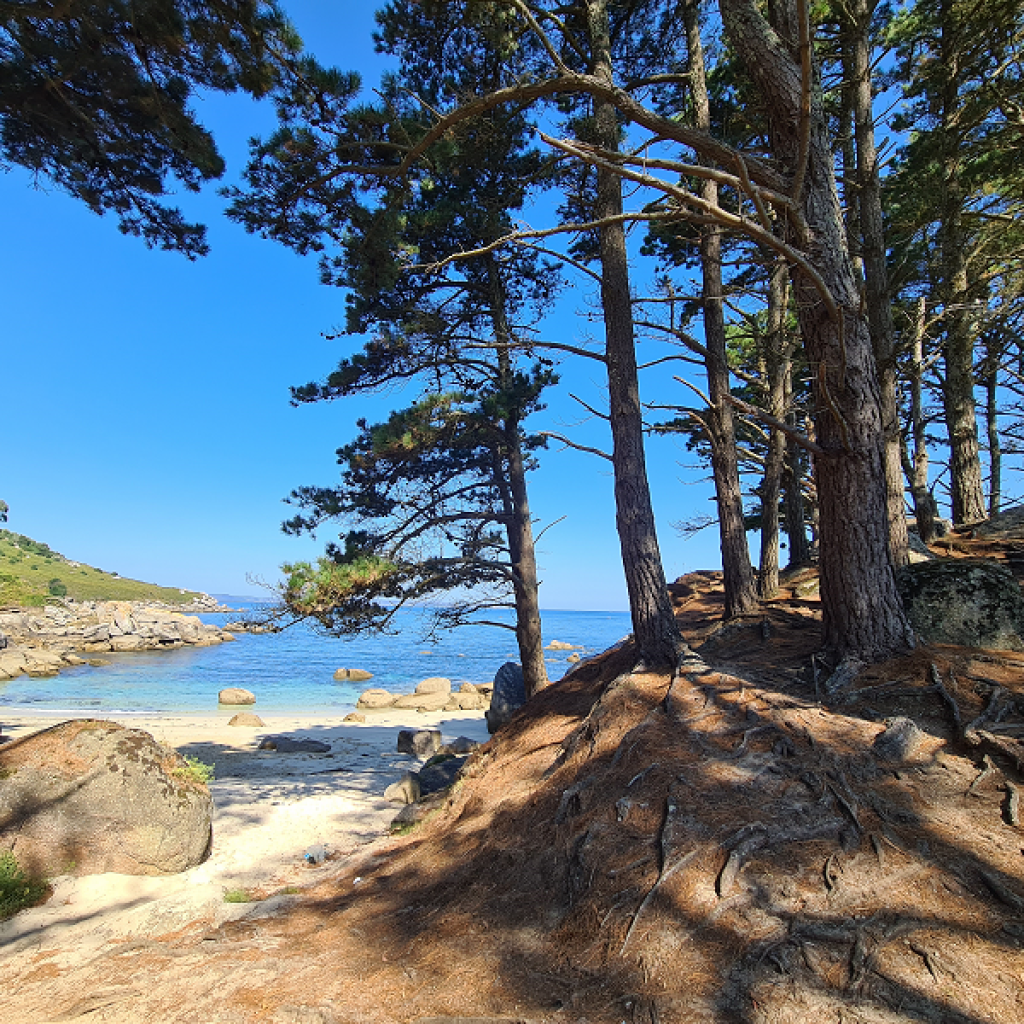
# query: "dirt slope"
718 846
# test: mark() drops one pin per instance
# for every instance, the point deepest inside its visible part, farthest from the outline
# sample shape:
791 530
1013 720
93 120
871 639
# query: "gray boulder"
967 601
87 796
419 742
508 697
288 745
439 776
899 741
405 791
460 745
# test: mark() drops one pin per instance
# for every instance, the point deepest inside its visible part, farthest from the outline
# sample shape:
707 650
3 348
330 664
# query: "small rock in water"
236 695
353 675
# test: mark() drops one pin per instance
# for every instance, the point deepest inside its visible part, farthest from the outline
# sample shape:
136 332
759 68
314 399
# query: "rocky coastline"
41 642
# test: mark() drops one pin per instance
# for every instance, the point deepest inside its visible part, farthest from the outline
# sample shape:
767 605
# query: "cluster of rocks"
41 643
433 694
423 790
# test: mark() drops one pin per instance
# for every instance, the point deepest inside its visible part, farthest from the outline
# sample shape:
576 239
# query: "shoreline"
270 808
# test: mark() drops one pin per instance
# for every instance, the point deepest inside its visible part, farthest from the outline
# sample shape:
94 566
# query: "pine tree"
954 198
449 326
94 96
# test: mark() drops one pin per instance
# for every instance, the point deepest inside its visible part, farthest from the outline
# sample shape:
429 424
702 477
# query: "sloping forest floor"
724 845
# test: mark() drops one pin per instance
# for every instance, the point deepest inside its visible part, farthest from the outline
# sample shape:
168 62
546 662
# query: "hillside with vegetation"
32 574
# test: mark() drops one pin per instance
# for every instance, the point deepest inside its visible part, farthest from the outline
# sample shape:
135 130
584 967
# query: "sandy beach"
270 809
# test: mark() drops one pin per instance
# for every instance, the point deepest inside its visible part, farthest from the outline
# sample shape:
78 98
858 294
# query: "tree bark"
915 465
993 355
778 365
740 590
655 630
863 617
967 489
519 529
876 277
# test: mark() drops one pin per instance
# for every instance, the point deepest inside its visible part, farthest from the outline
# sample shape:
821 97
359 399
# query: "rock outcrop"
41 642
89 796
967 601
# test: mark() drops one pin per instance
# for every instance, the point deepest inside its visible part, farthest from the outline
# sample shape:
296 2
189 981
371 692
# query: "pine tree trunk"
967 489
778 366
654 626
915 466
862 614
876 277
738 574
995 448
519 529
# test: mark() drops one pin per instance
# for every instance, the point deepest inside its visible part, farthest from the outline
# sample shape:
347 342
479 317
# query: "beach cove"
271 808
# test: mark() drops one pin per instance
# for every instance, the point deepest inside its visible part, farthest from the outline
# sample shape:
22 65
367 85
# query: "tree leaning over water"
434 500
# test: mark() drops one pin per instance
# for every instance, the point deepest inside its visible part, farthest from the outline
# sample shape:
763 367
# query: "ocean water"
293 671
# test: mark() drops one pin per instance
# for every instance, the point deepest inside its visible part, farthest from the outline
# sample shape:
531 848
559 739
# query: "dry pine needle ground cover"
719 846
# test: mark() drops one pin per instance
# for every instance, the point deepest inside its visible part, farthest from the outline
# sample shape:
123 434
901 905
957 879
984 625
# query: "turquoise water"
292 671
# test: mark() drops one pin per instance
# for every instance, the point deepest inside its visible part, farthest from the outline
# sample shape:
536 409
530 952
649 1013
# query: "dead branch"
572 444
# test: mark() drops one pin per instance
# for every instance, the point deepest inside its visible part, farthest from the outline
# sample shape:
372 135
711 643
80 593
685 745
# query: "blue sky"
146 424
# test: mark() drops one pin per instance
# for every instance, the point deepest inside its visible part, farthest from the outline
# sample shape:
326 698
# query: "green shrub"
194 769
237 896
57 588
17 890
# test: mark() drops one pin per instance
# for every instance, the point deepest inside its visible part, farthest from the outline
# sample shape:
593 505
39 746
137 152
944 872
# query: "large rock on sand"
86 797
248 719
435 684
967 601
422 702
371 700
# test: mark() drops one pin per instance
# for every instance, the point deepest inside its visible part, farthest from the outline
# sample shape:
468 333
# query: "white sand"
269 810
